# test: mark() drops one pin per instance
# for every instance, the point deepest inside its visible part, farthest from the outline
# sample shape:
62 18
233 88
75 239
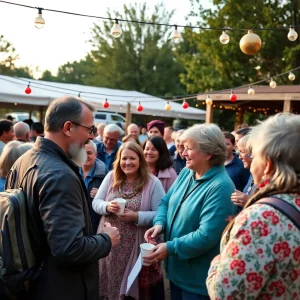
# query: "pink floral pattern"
261 259
112 267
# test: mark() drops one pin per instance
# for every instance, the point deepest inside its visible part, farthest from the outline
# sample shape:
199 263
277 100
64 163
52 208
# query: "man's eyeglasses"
90 129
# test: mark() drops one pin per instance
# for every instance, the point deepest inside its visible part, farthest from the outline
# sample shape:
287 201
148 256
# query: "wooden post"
128 115
209 114
287 105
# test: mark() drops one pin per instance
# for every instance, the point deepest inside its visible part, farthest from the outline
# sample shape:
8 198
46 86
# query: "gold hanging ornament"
250 43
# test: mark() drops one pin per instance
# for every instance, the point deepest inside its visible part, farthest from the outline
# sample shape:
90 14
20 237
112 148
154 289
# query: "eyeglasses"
91 129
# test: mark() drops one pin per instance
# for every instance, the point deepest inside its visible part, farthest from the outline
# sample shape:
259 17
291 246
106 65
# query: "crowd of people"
216 205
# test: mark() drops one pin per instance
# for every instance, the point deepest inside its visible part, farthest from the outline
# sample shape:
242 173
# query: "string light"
39 22
139 107
185 105
168 106
233 97
292 76
250 43
176 36
28 89
273 84
251 91
105 104
224 38
208 100
116 30
292 35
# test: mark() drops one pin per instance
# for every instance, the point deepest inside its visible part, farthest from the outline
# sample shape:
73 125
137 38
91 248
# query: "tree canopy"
142 59
210 65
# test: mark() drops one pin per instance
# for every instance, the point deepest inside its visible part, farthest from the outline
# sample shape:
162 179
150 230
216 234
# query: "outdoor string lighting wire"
149 23
177 97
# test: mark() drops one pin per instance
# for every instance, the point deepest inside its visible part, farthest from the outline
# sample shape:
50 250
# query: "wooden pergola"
265 100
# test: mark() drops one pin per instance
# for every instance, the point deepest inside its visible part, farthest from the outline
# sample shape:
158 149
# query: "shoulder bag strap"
284 207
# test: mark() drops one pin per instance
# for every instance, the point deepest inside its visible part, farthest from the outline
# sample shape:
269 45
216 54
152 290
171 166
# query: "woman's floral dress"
112 267
262 257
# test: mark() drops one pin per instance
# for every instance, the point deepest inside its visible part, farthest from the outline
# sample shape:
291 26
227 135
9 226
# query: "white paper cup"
146 249
121 203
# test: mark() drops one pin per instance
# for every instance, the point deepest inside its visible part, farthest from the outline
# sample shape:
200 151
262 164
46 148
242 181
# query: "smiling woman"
193 214
142 191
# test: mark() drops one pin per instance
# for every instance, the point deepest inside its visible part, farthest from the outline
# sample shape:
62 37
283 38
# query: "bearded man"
59 222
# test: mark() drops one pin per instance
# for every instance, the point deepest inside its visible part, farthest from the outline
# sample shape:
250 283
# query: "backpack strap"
284 207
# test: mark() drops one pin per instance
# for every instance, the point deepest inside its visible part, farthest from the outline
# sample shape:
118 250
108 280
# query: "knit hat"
160 125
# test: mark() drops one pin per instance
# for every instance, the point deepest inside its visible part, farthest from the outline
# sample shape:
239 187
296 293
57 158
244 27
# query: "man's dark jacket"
98 176
60 226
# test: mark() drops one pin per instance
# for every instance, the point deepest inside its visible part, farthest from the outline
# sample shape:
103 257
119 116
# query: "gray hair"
210 140
177 134
64 109
244 141
8 156
113 128
21 129
93 144
277 139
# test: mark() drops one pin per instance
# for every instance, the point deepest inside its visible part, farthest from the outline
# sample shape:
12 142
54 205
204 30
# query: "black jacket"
98 176
60 226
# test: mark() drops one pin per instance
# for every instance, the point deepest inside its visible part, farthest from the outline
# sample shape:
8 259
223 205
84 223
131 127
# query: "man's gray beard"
77 154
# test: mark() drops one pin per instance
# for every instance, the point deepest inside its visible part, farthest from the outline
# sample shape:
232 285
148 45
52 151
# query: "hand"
239 198
113 207
93 192
128 215
113 233
151 234
160 253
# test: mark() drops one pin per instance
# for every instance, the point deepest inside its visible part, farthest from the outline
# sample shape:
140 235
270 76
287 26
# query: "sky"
64 37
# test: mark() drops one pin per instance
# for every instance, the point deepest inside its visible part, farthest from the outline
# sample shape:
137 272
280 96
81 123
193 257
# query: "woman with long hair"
130 180
159 161
260 249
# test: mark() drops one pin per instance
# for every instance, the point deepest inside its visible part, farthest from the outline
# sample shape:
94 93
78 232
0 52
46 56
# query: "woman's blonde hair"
142 177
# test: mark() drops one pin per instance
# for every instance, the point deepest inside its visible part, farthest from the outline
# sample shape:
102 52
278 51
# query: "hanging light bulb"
232 97
185 105
273 84
176 36
28 89
39 22
139 107
292 76
168 106
121 106
250 43
105 104
224 38
251 91
208 100
116 30
292 35
79 97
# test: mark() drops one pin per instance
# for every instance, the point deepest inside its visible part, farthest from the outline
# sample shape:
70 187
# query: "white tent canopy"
43 92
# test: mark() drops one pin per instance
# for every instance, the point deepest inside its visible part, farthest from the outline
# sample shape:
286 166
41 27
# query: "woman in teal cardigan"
193 214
